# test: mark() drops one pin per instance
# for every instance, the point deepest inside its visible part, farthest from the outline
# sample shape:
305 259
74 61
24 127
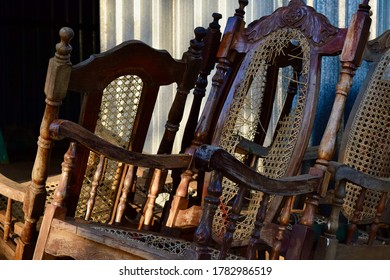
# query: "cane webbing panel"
368 146
172 246
243 120
117 114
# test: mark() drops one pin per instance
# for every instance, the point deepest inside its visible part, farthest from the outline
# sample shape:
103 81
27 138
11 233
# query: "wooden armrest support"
246 146
60 129
343 172
311 153
12 189
211 158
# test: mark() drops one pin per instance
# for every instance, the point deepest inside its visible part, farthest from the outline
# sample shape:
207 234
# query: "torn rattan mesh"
368 143
117 114
243 120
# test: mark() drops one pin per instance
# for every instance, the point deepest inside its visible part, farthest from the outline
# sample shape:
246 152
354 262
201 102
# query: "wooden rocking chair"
362 172
305 46
264 230
273 60
118 90
299 242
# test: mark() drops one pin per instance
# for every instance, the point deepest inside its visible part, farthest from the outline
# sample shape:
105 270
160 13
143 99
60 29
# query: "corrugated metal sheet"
169 24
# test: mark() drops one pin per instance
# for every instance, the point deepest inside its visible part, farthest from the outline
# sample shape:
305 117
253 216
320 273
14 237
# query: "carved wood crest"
314 26
381 43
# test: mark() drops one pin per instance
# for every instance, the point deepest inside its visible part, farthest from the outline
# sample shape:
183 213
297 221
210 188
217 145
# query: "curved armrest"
60 129
12 189
211 158
341 171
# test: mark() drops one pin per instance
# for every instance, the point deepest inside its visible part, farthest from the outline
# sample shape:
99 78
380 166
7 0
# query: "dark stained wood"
61 235
224 164
60 129
209 60
329 247
237 41
124 59
175 115
34 195
364 252
246 146
234 56
213 158
90 78
225 70
351 57
95 183
343 172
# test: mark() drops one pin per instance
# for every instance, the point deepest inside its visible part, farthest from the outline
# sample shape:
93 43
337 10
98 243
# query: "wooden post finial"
215 24
200 33
63 48
58 72
240 11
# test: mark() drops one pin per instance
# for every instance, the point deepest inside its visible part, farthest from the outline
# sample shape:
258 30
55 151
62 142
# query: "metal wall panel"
168 24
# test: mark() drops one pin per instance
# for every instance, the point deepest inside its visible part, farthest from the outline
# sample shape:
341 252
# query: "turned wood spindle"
56 85
375 225
193 59
94 187
129 181
7 221
254 241
232 222
202 236
284 220
351 58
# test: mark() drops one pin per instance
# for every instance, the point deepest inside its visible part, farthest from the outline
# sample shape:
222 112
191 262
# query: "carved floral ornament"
315 26
381 43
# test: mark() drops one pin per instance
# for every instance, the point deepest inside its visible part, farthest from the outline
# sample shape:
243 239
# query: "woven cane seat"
173 247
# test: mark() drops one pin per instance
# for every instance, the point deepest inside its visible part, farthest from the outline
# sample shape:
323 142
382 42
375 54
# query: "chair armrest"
341 172
12 189
60 129
211 158
246 146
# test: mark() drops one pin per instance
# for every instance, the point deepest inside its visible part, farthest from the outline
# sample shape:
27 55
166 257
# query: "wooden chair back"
361 173
269 99
101 241
234 213
118 90
351 58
